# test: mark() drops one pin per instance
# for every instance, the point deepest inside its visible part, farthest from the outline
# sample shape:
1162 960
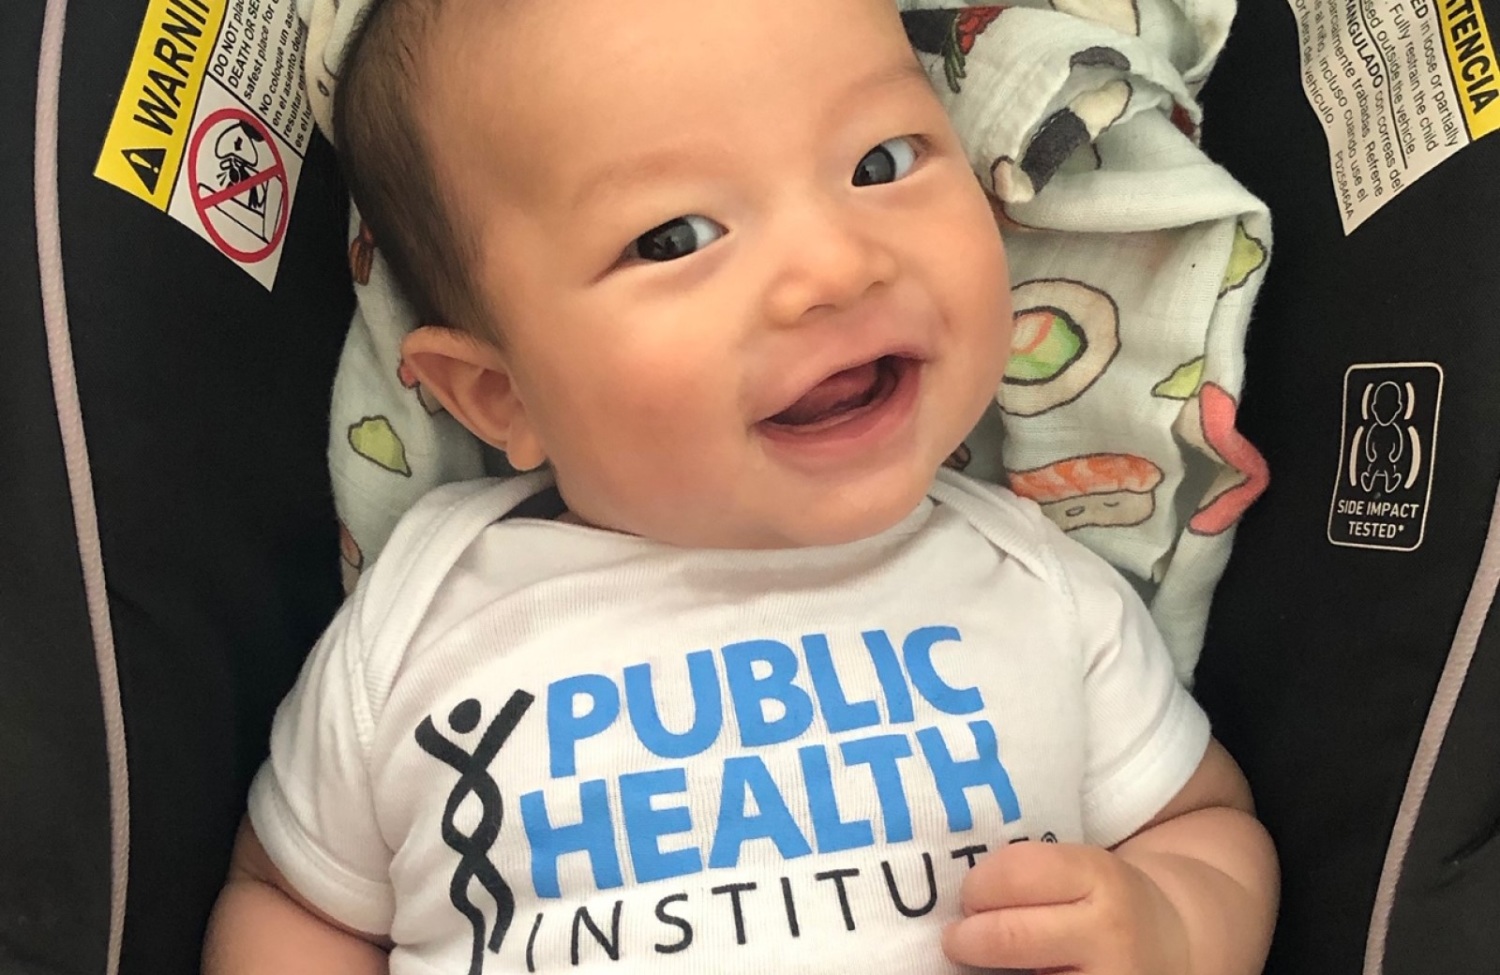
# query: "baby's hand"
1063 906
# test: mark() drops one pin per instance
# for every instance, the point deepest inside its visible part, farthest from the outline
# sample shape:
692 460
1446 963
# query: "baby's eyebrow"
688 156
654 166
907 69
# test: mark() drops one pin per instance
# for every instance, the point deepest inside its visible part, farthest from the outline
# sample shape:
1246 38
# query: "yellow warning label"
1472 55
144 147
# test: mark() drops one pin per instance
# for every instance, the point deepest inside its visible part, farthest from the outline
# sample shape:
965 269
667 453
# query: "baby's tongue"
840 392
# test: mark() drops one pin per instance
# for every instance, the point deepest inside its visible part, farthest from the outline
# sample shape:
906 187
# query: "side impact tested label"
1399 86
1384 482
213 123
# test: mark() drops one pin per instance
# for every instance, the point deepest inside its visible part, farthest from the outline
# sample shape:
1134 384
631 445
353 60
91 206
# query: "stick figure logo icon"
473 847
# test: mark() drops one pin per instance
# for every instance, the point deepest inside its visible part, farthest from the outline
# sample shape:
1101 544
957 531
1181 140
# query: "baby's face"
750 293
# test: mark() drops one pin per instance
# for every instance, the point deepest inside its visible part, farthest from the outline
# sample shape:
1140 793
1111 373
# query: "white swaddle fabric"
1135 261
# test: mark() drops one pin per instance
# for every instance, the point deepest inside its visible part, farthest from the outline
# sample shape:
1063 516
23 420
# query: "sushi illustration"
362 254
1208 423
1065 336
949 34
1092 491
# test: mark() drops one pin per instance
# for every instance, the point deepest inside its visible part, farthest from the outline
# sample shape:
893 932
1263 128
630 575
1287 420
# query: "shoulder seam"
383 596
996 513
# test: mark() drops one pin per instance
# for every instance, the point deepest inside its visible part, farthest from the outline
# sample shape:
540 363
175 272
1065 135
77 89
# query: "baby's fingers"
1031 875
1048 937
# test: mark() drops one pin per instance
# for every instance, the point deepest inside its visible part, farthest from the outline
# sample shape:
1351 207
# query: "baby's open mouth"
845 395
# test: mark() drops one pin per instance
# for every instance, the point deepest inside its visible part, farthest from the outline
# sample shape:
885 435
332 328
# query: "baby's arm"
261 925
1192 893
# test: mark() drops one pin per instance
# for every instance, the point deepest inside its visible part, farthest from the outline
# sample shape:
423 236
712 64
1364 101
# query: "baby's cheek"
666 394
991 289
975 250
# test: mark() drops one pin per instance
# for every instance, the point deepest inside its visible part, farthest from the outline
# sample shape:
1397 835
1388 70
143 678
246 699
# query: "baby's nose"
827 262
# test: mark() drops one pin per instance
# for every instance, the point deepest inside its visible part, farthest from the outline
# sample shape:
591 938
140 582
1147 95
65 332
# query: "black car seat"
1351 666
173 551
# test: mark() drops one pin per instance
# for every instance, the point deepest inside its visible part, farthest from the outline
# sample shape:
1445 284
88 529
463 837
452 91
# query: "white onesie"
531 746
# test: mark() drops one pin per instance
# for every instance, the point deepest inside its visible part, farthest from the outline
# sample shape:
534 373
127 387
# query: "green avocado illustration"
1183 382
375 440
1245 258
1066 335
1046 343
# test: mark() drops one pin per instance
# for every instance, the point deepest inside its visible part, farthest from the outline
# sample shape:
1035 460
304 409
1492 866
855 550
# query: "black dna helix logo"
473 849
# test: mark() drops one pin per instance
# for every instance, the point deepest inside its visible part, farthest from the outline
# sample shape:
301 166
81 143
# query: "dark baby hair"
389 166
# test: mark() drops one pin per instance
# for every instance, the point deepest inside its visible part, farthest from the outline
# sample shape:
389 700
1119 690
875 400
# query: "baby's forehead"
566 45
550 91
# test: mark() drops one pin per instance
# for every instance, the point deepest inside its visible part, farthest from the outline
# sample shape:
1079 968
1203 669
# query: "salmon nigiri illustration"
1095 490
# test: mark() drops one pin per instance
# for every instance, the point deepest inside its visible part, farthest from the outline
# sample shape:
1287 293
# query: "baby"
737 679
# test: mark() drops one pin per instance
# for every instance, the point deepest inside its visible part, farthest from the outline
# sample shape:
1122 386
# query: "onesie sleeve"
1145 735
311 803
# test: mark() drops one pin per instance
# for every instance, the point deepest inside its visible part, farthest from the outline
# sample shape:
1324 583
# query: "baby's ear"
470 377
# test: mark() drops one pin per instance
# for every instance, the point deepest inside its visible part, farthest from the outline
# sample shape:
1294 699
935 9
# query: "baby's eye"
674 239
886 163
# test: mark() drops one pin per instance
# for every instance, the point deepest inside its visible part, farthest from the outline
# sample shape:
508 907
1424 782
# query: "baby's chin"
730 530
858 526
839 518
764 514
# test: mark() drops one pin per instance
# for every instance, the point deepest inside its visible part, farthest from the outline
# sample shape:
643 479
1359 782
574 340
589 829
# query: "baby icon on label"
1392 454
